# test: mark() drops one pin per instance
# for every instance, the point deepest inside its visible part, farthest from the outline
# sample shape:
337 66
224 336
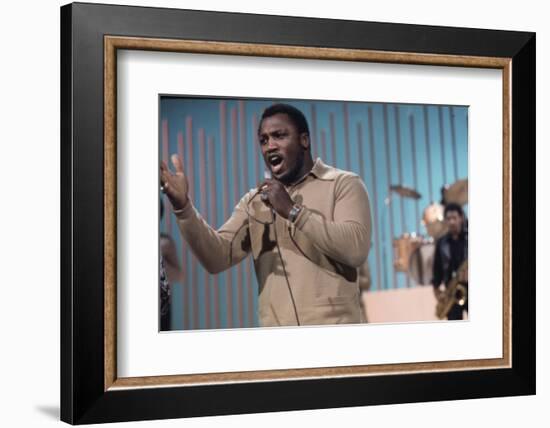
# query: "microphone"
267 176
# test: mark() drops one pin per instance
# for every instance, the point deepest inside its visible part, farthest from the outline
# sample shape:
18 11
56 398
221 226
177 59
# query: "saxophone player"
451 251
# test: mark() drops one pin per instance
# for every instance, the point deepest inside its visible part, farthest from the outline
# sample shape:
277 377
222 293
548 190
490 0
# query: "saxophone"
455 293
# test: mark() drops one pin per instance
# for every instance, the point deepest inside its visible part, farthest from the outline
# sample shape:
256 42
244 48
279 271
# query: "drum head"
433 220
421 264
403 247
457 192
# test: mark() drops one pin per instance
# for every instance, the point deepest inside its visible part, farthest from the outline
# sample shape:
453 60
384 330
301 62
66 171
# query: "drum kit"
414 253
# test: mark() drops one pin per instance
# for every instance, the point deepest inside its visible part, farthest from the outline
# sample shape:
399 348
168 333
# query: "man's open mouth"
275 161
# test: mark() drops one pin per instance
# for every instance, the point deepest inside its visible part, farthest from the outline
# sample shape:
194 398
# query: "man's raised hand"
174 185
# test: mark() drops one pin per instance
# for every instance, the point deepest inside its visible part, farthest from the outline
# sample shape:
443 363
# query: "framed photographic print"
265 213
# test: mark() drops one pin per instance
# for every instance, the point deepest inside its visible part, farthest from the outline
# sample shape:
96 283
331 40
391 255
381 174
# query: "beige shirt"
320 252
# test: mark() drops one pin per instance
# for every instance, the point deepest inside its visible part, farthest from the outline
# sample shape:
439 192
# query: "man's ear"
304 140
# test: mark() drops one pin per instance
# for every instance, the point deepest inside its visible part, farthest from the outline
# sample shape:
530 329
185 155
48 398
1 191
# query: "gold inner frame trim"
113 43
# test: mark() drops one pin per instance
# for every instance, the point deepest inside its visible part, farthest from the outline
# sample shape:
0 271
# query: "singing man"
308 228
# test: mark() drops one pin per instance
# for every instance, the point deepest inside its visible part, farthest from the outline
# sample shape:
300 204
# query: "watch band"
293 214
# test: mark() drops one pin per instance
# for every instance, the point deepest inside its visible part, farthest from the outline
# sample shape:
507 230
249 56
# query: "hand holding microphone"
275 196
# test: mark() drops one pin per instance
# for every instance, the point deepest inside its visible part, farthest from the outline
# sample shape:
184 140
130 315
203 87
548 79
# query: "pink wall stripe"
376 228
204 212
332 139
213 220
165 158
243 147
346 136
412 134
224 159
262 163
191 180
258 179
324 146
425 116
453 141
400 175
442 143
313 137
389 182
244 188
225 176
256 144
360 150
184 302
236 195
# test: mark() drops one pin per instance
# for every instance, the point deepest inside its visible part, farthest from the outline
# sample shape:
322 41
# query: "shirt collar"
323 171
320 171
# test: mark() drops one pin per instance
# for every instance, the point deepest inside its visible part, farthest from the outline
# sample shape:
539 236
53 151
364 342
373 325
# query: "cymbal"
406 192
457 192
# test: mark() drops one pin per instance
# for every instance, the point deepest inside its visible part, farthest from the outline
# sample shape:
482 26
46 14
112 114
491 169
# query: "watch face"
294 213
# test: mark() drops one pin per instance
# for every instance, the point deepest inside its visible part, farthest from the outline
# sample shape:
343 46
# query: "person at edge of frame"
308 228
170 273
450 252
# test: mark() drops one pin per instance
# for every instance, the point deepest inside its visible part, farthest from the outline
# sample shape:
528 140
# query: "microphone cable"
250 216
279 253
284 271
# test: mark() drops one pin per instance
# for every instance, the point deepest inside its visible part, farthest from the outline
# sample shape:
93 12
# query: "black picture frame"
83 395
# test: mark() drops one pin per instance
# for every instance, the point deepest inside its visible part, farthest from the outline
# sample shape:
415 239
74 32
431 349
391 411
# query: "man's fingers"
265 183
164 175
164 167
176 161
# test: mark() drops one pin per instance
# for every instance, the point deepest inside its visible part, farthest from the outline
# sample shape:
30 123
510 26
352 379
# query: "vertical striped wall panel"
419 146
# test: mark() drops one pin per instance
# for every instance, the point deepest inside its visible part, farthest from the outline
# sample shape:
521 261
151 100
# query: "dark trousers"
165 320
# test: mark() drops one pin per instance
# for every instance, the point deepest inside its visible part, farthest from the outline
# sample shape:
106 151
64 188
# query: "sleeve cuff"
185 212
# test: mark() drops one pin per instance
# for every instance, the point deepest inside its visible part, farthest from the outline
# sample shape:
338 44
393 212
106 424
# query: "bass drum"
403 247
421 263
433 220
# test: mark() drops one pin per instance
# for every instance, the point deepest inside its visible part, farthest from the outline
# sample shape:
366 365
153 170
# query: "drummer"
450 251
